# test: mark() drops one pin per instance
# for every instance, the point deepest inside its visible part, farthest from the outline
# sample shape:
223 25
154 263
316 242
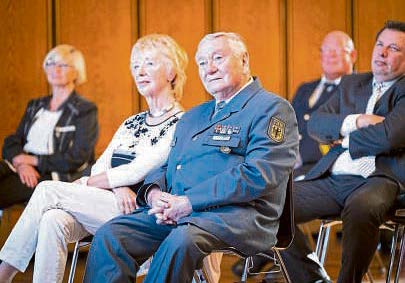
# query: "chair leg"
401 253
74 262
246 269
322 242
282 265
393 251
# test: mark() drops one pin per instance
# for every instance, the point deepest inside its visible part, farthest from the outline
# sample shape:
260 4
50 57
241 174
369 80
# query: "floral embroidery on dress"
139 129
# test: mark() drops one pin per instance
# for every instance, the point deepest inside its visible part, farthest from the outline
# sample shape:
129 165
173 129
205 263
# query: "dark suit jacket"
384 140
309 148
236 181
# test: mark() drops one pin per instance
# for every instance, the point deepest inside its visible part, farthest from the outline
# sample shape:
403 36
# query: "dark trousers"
363 205
121 246
12 191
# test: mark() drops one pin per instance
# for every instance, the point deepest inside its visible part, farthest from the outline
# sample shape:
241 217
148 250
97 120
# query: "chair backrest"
286 230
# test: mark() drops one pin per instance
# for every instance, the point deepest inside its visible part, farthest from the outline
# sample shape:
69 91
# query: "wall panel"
283 37
102 30
23 45
308 22
369 17
260 22
186 22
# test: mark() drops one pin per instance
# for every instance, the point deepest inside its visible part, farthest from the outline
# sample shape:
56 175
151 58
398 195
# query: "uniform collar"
239 91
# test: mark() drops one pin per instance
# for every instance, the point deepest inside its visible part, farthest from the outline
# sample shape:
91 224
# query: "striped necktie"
377 93
326 89
366 164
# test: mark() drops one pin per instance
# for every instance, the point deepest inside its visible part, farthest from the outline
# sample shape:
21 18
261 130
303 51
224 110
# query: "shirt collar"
335 81
384 85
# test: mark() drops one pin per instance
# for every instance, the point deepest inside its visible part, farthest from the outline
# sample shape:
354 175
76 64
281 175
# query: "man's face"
336 58
221 71
388 59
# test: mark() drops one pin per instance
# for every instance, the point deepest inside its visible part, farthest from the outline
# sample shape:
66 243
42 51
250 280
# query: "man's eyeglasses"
326 50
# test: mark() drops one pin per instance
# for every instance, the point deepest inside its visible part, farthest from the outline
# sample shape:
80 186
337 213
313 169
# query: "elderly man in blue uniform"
337 56
361 176
224 183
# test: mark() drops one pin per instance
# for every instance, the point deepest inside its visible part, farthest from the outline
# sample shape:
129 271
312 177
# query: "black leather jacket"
75 135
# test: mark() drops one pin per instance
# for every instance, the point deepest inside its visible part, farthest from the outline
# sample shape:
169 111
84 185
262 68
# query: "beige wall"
283 37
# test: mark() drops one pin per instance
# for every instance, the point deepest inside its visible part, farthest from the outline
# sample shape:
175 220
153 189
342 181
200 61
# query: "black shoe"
259 263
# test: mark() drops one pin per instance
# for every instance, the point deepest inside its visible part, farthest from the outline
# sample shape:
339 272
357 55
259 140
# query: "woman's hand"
125 198
28 175
25 159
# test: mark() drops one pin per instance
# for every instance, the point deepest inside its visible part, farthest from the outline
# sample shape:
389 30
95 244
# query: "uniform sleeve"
82 147
270 156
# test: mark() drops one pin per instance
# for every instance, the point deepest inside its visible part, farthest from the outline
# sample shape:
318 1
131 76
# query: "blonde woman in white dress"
59 213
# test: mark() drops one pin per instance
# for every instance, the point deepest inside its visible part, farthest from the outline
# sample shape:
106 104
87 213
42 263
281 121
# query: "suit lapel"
381 105
363 95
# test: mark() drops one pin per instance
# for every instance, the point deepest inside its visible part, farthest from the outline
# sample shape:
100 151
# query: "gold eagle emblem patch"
276 130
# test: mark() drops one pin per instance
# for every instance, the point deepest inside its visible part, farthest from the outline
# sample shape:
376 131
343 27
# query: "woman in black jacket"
56 136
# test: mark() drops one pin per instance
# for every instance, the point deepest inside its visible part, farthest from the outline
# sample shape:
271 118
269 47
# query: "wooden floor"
332 261
332 266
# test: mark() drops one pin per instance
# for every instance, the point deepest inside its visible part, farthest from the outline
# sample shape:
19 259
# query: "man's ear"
245 62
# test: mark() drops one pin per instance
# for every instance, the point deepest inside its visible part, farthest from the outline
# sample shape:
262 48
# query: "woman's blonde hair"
167 46
70 55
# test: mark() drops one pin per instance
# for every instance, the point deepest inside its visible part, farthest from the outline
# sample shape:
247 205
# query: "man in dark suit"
337 59
224 183
361 176
337 56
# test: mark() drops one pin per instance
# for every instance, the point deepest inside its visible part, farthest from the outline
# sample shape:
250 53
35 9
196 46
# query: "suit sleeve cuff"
349 124
142 196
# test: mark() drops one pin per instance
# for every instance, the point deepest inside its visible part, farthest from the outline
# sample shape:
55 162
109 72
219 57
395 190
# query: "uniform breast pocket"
225 143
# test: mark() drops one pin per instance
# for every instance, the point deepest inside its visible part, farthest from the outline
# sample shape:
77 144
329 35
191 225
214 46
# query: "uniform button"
195 138
178 167
299 137
306 117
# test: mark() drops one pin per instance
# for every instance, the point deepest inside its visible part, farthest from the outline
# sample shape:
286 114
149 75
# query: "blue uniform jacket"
234 168
384 140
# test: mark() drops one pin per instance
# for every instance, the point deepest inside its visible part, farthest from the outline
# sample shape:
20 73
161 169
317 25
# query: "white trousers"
59 213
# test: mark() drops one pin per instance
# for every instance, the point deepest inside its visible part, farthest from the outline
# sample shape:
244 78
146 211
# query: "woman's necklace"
161 112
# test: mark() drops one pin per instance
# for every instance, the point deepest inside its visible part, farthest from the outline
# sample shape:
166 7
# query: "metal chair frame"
79 244
285 236
395 224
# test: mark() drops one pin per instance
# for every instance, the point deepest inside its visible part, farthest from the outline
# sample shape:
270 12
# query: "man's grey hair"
236 41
